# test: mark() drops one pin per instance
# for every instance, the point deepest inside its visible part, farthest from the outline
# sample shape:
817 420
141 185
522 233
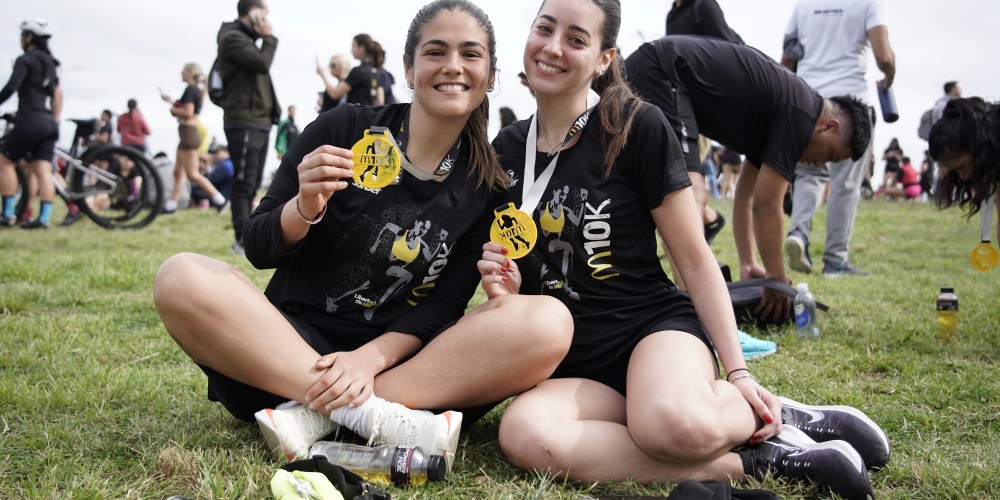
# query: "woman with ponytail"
362 322
639 394
186 110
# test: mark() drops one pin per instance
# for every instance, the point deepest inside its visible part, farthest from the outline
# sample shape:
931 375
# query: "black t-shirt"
192 94
700 17
596 247
740 97
363 80
34 78
402 258
327 102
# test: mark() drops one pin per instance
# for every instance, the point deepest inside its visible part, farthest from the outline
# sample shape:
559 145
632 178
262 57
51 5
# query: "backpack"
215 83
924 130
746 294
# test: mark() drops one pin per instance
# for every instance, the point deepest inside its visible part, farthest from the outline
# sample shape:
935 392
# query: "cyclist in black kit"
37 129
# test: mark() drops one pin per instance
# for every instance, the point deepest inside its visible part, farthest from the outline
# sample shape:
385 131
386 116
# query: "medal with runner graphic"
515 230
984 257
376 159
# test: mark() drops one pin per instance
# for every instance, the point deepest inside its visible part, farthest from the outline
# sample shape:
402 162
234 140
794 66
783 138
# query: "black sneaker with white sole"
831 466
826 423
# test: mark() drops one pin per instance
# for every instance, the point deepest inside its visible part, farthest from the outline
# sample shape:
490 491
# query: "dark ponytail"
619 104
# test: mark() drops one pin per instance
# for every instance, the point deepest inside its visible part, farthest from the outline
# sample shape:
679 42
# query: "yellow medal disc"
984 257
515 230
376 159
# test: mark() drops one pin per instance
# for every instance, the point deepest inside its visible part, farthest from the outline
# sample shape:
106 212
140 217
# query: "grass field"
96 401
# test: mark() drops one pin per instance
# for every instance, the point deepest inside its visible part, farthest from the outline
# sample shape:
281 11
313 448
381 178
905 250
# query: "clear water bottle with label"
947 314
805 313
384 465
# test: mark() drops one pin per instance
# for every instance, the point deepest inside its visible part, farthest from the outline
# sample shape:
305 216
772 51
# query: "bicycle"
115 186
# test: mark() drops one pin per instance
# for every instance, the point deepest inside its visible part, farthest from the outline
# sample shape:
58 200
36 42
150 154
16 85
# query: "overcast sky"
112 50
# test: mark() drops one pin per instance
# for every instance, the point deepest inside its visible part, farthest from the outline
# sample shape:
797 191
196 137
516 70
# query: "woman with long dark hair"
639 394
375 261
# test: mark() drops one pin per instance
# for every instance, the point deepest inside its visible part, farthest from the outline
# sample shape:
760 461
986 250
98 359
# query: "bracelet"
747 375
311 222
737 370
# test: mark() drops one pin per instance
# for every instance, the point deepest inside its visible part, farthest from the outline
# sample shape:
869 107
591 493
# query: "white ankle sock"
218 200
354 418
170 205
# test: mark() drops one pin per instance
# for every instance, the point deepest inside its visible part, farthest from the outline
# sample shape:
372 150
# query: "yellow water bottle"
947 314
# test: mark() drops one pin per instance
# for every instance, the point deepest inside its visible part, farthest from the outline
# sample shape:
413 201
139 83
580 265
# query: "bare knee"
678 432
542 323
527 441
187 283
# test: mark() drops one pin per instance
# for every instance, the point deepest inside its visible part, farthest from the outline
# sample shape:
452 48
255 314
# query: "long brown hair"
483 163
619 104
968 125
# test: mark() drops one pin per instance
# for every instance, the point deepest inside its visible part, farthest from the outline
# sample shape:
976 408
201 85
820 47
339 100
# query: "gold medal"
984 257
376 159
515 230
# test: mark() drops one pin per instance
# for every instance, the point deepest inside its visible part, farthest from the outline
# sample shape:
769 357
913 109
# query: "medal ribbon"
532 191
447 163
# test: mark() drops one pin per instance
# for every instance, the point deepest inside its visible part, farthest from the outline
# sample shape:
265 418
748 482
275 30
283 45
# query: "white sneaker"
291 428
393 423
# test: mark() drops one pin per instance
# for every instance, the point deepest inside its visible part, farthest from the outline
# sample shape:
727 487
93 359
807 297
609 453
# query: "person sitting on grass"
370 283
966 144
639 395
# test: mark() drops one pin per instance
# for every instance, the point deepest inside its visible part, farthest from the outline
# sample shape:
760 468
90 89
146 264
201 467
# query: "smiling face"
451 65
563 51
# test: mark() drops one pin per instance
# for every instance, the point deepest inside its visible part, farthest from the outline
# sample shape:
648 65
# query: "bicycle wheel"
117 187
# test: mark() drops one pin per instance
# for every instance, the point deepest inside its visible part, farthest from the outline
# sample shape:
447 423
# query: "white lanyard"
986 219
532 191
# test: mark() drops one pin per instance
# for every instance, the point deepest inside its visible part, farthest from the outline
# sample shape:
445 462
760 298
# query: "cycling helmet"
37 27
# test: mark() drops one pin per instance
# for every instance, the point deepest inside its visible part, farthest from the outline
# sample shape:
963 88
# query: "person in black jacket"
34 136
370 283
250 106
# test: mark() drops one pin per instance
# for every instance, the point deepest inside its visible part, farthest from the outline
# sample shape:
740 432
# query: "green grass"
96 401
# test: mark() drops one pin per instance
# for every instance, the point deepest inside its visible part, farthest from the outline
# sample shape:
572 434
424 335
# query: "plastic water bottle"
947 314
384 465
805 313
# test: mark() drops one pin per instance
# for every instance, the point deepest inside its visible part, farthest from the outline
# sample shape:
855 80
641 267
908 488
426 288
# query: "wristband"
311 222
737 370
746 375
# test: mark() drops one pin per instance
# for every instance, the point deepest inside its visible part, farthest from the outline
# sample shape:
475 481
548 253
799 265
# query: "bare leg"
238 333
179 175
501 348
8 178
194 175
680 424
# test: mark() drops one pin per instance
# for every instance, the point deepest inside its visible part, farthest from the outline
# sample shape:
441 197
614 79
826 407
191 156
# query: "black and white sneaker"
831 466
826 423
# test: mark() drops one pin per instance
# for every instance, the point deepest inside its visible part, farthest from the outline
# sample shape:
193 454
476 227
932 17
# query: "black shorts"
242 400
609 366
653 85
33 137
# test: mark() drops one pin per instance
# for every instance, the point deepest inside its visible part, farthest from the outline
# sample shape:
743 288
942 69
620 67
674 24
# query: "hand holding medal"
514 230
984 257
376 159
321 173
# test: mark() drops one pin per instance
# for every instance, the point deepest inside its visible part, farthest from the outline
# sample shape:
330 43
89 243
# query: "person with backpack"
36 131
249 103
288 131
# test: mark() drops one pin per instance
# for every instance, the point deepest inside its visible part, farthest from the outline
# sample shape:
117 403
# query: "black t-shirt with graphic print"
740 97
402 258
596 247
